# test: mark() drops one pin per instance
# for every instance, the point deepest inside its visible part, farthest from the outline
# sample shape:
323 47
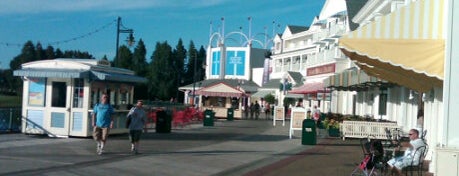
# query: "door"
59 107
78 116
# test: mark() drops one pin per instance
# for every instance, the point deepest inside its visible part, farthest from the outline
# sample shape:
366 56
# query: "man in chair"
398 163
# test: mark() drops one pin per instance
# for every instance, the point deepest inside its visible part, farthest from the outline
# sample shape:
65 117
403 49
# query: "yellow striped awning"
406 47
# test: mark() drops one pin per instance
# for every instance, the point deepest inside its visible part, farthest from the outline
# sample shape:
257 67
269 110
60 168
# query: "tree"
139 59
161 75
49 53
140 68
192 54
27 54
124 59
178 63
40 52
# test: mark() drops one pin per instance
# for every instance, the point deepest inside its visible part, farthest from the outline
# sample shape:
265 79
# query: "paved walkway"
241 147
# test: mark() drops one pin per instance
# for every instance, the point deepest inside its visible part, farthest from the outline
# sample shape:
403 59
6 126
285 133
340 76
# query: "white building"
313 52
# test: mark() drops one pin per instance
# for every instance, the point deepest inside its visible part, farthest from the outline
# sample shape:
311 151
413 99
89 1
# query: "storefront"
59 94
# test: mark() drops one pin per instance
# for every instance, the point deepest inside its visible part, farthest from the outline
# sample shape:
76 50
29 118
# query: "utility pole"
119 30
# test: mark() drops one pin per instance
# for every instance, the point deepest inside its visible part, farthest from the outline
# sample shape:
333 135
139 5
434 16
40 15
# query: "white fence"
364 129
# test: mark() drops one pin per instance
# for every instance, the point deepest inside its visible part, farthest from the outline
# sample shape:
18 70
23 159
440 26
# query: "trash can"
309 135
208 117
163 122
230 114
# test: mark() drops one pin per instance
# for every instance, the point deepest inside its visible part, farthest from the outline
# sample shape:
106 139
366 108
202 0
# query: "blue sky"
60 22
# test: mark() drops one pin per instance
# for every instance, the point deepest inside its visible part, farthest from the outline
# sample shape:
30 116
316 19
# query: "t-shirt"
103 115
138 118
412 151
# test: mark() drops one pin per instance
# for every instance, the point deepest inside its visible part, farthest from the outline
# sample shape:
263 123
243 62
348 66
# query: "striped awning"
51 73
406 47
117 77
220 90
309 88
262 93
353 80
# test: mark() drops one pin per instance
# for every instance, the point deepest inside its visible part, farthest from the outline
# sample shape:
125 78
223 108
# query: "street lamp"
119 30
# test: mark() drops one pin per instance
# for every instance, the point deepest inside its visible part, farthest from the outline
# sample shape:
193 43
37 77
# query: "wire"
67 40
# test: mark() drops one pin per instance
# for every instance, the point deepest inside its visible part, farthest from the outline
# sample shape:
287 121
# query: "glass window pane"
59 94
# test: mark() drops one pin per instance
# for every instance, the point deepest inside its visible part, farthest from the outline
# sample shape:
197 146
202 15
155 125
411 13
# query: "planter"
333 132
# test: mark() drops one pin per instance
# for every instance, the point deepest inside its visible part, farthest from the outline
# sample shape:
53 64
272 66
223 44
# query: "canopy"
220 90
353 80
406 47
262 93
309 88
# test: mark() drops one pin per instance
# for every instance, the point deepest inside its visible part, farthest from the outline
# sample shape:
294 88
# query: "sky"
90 26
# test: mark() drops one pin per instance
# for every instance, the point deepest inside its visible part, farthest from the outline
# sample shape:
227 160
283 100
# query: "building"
59 94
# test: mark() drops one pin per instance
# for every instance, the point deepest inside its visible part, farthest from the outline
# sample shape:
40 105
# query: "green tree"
178 63
49 53
40 52
124 59
161 75
28 54
140 68
190 69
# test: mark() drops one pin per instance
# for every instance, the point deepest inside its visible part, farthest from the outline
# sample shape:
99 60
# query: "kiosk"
59 94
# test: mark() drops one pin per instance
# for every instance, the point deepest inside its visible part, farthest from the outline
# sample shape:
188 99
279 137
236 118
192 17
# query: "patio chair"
417 163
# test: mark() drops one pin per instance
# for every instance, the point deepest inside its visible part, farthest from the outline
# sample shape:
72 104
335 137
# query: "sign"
296 120
215 65
329 68
235 62
279 114
37 91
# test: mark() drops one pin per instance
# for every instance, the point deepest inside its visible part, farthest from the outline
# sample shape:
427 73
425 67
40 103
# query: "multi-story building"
313 52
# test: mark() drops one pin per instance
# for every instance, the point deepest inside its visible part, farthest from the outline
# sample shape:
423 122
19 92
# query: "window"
78 93
37 88
59 94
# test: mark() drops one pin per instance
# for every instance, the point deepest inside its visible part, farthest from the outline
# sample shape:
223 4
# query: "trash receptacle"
163 122
230 114
309 135
209 117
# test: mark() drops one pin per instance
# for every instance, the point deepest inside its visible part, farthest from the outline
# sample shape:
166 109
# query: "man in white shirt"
398 163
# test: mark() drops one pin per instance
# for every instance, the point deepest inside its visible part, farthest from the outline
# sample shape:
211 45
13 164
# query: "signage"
215 65
329 68
235 62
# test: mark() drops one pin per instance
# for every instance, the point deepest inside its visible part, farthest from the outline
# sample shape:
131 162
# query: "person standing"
137 118
257 110
102 121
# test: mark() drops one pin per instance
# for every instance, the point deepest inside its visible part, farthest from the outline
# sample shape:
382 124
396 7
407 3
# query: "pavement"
240 147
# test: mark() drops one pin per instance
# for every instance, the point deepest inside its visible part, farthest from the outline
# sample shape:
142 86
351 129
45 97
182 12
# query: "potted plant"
332 127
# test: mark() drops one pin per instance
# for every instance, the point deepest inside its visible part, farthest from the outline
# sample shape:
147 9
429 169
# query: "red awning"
309 88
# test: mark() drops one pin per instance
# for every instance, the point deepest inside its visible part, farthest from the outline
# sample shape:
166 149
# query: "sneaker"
100 152
98 149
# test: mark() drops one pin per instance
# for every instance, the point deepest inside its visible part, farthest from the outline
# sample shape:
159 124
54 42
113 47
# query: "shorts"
134 135
100 133
399 162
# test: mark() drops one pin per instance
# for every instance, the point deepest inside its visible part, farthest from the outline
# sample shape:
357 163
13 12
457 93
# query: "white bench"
364 129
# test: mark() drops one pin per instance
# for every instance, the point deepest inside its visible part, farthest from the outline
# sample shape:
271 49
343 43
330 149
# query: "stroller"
373 154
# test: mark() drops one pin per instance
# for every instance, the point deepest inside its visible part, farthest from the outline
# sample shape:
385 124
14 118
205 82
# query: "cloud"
12 7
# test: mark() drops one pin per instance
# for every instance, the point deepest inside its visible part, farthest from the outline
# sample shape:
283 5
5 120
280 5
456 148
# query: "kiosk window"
78 93
59 94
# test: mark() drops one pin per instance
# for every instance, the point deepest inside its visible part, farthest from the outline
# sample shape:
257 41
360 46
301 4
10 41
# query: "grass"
10 101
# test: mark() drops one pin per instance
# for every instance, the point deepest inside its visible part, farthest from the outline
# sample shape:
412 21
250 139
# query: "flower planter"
333 132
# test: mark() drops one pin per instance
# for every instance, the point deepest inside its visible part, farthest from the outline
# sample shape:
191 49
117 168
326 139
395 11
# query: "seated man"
398 163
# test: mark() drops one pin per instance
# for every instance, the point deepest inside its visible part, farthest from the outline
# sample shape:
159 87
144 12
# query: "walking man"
137 119
102 121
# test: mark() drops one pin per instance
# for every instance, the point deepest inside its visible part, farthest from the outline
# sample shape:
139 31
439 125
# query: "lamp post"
119 30
194 77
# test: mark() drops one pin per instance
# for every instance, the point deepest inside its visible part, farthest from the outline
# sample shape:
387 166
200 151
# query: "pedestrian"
252 110
267 110
257 110
102 121
136 119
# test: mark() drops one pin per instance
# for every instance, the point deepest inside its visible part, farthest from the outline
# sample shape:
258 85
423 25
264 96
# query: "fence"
364 129
10 120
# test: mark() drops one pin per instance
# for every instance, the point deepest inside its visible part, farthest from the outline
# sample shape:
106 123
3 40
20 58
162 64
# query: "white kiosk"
59 94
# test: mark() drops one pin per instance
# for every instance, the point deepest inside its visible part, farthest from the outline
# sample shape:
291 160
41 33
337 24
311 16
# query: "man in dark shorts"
138 119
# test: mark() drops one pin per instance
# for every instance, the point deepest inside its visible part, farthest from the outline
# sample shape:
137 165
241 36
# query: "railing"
364 129
10 120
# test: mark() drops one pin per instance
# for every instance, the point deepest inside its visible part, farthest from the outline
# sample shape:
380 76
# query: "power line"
8 44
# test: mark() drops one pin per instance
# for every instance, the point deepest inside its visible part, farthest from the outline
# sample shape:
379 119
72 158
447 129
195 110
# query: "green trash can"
208 117
230 114
309 134
163 122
